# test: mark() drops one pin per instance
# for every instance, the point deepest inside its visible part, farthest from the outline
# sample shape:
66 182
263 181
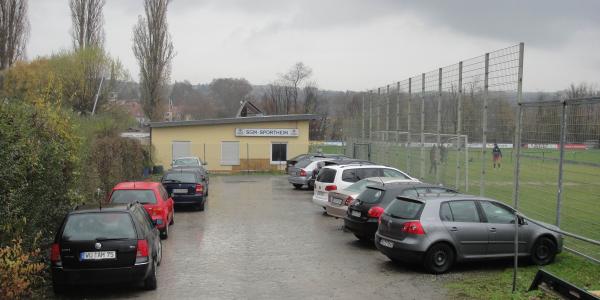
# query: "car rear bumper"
188 199
408 252
320 201
362 228
298 180
338 211
134 273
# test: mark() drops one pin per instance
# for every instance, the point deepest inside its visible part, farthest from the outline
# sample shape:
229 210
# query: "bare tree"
294 78
87 19
153 49
14 31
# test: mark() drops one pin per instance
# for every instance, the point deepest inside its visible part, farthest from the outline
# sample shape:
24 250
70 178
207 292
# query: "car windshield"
98 226
370 195
404 209
359 186
186 162
180 177
130 196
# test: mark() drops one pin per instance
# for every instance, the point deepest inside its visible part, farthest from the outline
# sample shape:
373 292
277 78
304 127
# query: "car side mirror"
522 221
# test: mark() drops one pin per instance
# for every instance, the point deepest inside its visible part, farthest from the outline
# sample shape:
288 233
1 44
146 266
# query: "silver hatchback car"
439 231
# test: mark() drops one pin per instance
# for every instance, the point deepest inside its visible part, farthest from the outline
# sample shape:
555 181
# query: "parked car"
335 162
292 161
115 243
339 200
153 196
299 174
362 216
439 231
187 186
335 178
188 162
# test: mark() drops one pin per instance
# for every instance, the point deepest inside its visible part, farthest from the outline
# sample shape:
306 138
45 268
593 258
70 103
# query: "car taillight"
413 227
199 188
331 188
348 201
142 248
157 211
55 253
302 172
375 211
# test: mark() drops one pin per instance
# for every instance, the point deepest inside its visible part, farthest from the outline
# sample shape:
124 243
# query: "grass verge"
495 281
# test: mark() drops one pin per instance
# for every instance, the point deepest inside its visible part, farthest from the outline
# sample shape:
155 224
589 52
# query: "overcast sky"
349 44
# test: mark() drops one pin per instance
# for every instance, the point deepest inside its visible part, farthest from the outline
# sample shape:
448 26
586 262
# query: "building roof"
249 109
241 120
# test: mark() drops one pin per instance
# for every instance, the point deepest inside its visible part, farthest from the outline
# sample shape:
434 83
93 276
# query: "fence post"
563 134
484 125
408 126
387 113
378 105
517 168
370 115
439 129
423 125
459 125
364 109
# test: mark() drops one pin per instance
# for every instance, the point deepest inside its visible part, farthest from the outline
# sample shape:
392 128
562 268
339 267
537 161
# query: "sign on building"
266 132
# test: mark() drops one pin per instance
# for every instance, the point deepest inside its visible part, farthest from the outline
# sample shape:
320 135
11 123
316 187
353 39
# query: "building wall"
255 152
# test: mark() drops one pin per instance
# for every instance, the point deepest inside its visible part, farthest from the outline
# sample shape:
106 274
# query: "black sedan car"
363 214
187 186
115 243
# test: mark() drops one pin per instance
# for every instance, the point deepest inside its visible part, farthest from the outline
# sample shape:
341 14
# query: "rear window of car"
92 226
358 186
303 163
130 196
186 162
326 175
404 209
370 195
180 177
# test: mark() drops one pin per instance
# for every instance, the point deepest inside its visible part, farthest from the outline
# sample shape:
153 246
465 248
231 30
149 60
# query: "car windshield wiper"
101 239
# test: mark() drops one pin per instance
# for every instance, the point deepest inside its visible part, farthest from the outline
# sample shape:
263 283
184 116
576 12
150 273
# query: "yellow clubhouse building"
243 143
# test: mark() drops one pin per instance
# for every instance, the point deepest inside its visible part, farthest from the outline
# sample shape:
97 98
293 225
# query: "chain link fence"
442 126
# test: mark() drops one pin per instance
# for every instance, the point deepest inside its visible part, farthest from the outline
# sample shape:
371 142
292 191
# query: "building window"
230 153
278 153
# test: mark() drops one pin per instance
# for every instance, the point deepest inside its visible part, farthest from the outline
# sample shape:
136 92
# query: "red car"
153 196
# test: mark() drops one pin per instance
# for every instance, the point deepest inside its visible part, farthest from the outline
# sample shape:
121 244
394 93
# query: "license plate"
180 191
356 213
386 243
336 201
321 194
98 255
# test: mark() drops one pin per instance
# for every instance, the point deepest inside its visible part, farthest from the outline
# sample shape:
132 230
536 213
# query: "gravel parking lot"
260 239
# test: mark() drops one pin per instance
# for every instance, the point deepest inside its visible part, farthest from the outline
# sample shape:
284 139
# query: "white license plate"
336 201
180 191
320 194
98 255
356 213
386 243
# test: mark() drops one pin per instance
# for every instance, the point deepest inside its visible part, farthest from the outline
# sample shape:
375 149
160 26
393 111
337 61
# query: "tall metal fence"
441 126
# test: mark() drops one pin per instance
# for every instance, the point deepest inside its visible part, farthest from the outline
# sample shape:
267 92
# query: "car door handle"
492 229
454 228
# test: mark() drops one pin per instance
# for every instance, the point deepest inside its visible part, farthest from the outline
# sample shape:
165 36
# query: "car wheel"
164 234
150 281
543 251
297 186
172 218
439 258
58 288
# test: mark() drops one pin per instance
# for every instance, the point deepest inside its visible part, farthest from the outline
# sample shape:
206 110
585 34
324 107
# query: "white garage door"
230 153
181 149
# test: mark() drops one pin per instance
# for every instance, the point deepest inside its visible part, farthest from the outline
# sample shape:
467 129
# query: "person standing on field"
433 156
497 155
